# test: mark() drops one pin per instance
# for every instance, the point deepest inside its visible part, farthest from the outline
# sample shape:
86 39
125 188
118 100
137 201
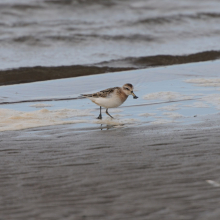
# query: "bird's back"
108 98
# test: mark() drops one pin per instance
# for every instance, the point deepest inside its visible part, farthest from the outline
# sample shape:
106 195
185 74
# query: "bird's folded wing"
104 93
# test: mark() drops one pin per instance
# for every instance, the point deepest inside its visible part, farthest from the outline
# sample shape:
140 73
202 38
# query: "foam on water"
40 105
17 120
147 114
161 121
167 95
173 115
213 99
207 82
169 108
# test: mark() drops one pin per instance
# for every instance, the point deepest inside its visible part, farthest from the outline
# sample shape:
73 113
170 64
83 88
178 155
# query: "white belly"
110 102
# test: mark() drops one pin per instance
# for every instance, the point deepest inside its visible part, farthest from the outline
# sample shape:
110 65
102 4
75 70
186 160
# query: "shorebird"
111 98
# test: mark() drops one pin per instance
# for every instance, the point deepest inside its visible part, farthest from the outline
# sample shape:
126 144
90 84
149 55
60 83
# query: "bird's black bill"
134 96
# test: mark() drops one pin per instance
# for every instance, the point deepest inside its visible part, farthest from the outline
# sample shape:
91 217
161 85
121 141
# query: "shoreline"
42 73
175 94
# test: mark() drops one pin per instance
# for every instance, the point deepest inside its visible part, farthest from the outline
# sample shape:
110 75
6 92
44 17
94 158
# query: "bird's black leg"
108 113
100 115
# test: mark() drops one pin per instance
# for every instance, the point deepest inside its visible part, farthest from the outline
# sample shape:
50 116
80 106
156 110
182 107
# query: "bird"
111 97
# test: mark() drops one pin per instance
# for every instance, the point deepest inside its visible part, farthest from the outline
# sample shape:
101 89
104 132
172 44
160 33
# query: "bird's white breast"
108 102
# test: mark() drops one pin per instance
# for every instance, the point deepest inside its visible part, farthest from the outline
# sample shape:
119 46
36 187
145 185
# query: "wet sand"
150 172
144 170
34 74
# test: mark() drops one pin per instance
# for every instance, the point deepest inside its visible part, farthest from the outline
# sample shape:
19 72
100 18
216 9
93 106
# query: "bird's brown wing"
104 93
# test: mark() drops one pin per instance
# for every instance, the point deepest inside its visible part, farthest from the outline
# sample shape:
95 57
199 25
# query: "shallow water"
55 33
166 95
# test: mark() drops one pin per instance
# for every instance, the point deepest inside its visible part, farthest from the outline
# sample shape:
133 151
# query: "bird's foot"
100 117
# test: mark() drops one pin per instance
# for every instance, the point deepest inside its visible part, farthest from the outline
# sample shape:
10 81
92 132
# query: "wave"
178 18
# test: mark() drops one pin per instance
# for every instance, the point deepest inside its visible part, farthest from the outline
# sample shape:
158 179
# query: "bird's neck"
123 96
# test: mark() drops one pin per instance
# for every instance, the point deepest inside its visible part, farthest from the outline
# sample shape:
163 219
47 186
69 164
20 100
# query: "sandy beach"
158 159
150 172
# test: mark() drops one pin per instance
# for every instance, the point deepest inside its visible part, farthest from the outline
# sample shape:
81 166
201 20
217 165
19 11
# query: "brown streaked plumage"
112 97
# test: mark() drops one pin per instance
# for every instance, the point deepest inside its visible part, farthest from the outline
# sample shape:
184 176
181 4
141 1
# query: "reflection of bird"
111 98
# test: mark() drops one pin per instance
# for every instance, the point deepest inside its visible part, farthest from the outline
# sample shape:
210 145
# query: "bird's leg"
100 115
108 113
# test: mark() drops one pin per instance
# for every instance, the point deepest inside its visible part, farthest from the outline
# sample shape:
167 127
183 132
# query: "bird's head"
128 90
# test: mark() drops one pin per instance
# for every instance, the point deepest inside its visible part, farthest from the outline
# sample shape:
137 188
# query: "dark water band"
39 73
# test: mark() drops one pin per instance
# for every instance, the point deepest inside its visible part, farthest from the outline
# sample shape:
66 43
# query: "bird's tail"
85 95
